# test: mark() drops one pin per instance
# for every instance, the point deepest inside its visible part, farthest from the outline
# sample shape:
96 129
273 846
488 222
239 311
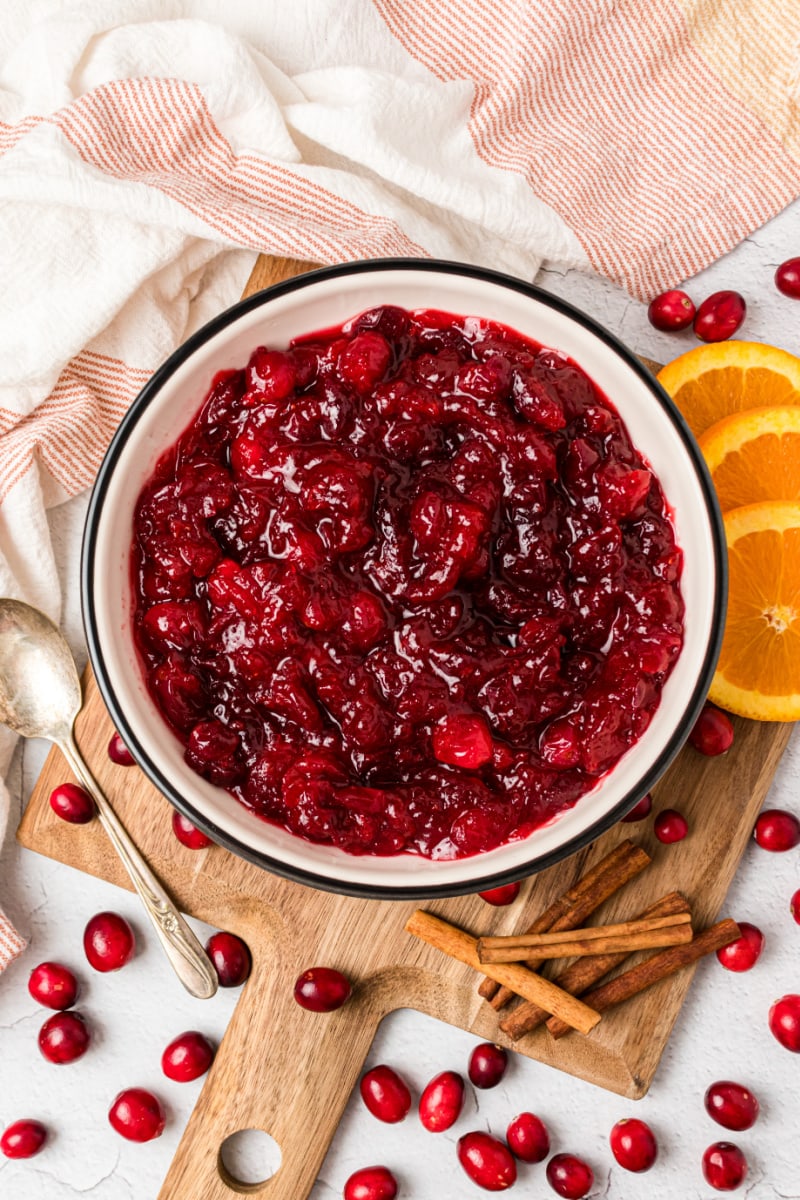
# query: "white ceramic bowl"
317 301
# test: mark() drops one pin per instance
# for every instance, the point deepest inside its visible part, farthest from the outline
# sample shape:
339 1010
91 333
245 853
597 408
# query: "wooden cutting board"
314 1060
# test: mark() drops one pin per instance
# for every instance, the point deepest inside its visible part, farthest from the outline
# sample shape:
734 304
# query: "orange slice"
754 456
758 674
722 378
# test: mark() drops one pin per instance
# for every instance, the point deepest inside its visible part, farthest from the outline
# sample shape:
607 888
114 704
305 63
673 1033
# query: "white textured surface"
722 1031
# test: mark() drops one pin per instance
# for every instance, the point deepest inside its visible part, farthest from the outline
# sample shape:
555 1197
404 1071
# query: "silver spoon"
40 696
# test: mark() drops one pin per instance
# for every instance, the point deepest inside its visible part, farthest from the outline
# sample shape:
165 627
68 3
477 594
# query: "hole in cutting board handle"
247 1159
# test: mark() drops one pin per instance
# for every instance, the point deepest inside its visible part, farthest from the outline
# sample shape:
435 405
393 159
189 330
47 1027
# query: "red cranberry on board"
487 1161
441 1102
712 732
53 985
108 941
794 906
777 830
231 958
784 1022
671 311
23 1139
385 1094
500 896
724 1166
633 1145
640 810
719 316
787 278
732 1105
528 1138
188 834
322 989
187 1057
487 1065
72 803
569 1176
119 753
371 1183
745 951
137 1115
64 1037
670 826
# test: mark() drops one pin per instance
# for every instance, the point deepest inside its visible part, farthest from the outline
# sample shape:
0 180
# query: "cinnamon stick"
584 973
646 934
658 966
579 902
458 944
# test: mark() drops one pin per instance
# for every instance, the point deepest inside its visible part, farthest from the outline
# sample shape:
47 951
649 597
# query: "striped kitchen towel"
149 148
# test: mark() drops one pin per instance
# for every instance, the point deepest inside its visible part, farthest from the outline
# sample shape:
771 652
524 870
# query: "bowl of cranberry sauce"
403 578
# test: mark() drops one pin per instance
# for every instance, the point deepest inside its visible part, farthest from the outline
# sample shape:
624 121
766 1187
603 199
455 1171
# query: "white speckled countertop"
721 1033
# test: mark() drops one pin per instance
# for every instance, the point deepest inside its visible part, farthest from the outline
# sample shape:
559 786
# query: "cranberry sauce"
406 586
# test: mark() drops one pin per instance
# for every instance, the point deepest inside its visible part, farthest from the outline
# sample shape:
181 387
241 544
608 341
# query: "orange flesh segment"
754 456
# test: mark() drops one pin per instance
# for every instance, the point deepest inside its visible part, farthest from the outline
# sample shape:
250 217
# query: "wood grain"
313 1060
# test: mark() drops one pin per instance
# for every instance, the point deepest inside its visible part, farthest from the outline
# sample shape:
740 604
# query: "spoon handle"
188 958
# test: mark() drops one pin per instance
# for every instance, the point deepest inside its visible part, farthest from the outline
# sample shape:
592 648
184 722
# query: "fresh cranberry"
712 732
187 1057
784 1022
777 830
53 986
670 826
569 1176
671 311
64 1037
385 1094
745 951
231 958
724 1166
500 896
794 906
137 1115
731 1105
787 278
108 942
371 1183
188 834
23 1139
528 1138
633 1145
72 803
640 810
487 1065
441 1102
119 753
321 989
719 316
488 1162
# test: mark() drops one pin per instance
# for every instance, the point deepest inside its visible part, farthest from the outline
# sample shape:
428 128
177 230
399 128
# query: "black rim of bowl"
479 882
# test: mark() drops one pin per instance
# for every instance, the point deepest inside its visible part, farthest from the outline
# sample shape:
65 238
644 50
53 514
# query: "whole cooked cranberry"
787 278
784 1022
794 906
487 1065
64 1037
640 810
72 803
569 1176
724 1166
777 830
364 360
670 826
270 376
441 1101
633 1145
23 1139
719 316
500 896
108 941
321 989
137 1115
187 833
463 741
671 311
371 1183
528 1138
231 958
488 1162
53 986
119 753
187 1057
712 732
385 1094
745 951
732 1105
